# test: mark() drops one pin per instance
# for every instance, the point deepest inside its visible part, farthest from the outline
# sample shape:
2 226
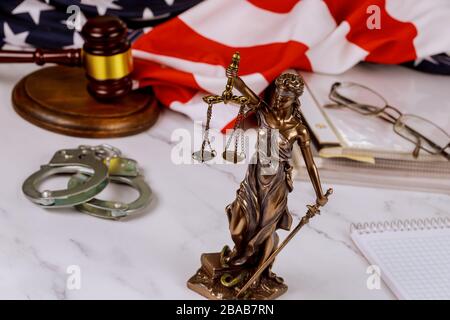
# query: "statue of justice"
260 207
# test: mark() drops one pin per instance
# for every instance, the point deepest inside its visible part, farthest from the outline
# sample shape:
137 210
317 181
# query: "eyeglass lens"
359 98
411 127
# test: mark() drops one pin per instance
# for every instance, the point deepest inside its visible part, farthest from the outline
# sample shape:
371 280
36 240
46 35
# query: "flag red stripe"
168 84
392 43
269 60
284 6
275 36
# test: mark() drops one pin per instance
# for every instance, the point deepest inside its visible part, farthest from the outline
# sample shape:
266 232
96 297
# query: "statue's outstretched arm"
240 85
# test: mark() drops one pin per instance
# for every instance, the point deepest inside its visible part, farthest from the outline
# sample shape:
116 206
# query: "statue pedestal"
56 99
207 282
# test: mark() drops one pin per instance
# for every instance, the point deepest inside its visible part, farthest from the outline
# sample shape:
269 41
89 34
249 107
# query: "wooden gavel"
105 56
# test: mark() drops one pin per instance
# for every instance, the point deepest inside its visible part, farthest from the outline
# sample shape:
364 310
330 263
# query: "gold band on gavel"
108 67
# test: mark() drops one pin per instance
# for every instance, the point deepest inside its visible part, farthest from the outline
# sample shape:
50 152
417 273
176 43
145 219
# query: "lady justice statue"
260 207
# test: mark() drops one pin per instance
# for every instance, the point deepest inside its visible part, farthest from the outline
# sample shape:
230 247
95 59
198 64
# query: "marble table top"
152 255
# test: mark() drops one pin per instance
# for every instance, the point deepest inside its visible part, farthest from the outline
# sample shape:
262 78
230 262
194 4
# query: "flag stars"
147 14
14 39
420 60
78 41
33 8
101 5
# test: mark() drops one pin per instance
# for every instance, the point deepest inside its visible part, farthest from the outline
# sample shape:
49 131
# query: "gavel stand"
55 98
90 93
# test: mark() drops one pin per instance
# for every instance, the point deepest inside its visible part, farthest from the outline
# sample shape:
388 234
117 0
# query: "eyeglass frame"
383 113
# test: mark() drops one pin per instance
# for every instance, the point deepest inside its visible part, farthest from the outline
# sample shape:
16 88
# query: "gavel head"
107 57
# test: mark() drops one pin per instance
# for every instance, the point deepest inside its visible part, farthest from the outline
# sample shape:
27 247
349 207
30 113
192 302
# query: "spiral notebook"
413 255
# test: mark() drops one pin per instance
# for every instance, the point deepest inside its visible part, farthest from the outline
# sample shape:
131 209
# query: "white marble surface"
152 256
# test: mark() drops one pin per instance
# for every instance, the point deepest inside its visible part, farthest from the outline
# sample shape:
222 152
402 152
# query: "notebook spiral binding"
401 225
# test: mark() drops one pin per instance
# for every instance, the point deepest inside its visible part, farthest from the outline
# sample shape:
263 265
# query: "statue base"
56 99
208 282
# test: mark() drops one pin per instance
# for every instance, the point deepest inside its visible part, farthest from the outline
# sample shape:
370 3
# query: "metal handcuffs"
68 161
94 167
113 209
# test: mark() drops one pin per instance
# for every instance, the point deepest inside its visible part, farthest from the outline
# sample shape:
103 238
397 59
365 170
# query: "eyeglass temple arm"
445 153
393 119
430 142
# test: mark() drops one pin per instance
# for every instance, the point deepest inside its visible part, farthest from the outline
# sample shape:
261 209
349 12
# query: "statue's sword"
312 211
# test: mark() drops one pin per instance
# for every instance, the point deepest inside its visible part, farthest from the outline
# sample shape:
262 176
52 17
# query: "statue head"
288 88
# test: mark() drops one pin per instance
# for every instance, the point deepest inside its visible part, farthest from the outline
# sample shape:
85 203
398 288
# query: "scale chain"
226 97
237 125
206 133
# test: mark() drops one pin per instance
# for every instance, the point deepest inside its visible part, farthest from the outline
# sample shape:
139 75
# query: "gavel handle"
67 57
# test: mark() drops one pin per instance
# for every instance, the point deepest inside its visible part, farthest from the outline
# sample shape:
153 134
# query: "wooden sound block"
56 99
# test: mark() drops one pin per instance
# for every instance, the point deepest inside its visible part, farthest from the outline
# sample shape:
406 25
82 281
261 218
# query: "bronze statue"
260 207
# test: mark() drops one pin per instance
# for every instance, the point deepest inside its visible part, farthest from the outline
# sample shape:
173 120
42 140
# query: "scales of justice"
260 207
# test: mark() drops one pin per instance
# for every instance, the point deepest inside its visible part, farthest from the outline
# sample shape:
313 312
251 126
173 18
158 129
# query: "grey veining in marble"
152 256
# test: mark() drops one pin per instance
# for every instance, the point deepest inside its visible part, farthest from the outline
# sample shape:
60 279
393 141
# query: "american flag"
44 23
186 56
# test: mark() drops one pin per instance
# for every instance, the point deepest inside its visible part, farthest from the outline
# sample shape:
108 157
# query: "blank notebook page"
413 256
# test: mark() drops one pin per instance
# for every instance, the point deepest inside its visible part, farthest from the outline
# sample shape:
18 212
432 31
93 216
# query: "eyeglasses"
425 134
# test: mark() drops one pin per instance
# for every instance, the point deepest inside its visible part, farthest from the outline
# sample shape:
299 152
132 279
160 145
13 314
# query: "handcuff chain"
103 151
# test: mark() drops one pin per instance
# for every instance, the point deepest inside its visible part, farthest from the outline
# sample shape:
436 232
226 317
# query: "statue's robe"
260 207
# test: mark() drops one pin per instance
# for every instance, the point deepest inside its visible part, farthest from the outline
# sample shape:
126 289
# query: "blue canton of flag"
53 24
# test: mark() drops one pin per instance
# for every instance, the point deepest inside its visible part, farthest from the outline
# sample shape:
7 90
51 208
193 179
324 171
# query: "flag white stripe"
431 19
242 24
210 78
213 19
335 54
196 110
